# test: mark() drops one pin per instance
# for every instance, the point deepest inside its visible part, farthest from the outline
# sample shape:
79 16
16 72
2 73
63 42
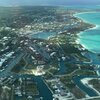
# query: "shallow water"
43 35
90 39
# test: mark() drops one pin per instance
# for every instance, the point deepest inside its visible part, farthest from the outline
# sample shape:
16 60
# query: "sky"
48 2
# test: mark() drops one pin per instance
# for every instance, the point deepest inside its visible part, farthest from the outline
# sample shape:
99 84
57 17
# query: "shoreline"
81 32
95 26
76 15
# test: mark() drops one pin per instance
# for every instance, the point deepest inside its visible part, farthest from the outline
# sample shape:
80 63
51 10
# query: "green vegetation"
85 72
78 93
67 80
71 68
18 67
95 83
5 93
16 21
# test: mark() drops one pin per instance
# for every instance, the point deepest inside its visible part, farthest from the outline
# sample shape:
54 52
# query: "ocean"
90 39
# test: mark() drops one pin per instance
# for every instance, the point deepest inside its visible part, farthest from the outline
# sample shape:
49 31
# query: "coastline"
95 26
76 15
82 32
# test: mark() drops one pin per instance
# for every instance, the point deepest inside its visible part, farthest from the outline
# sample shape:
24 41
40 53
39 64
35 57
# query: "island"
41 57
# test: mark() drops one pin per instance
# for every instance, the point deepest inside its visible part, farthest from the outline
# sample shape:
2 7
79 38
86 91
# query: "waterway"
86 89
43 89
90 39
43 35
62 67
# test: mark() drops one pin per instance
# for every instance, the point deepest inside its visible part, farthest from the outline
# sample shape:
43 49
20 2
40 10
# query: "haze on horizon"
48 2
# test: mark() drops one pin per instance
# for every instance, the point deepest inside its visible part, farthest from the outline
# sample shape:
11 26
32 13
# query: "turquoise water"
90 39
43 35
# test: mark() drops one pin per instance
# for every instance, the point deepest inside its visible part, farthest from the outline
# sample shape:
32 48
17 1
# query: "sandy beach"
78 41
